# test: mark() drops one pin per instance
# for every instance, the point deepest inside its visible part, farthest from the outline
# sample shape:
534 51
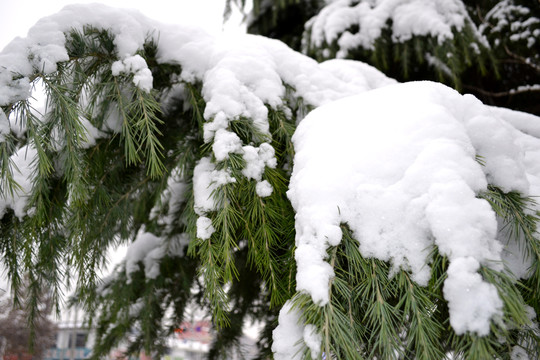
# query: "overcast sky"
17 16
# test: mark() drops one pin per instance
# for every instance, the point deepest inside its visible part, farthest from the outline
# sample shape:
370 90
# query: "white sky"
17 16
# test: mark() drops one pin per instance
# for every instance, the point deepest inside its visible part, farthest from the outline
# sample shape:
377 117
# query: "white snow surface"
241 74
204 228
264 188
288 335
206 179
403 174
472 302
436 18
313 340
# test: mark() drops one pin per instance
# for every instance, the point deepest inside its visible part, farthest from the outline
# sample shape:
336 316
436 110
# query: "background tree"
18 337
492 54
181 145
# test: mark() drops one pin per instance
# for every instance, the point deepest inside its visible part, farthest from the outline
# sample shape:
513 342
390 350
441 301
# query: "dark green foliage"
513 31
421 57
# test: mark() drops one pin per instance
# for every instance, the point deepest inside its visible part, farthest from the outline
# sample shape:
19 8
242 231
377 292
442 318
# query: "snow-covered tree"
354 216
486 47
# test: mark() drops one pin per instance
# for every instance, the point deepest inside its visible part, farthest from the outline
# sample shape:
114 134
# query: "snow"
313 340
204 228
206 179
256 160
288 335
405 178
506 17
519 353
91 133
242 76
4 126
23 163
171 199
264 188
514 253
136 65
147 248
225 143
472 302
398 163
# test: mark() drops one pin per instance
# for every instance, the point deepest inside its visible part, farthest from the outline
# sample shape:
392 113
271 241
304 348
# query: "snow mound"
404 175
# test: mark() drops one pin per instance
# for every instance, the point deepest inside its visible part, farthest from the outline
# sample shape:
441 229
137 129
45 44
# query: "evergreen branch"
7 181
511 92
145 107
516 211
128 132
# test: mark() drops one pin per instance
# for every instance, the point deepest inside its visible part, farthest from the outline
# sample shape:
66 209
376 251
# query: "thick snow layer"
408 18
399 166
241 74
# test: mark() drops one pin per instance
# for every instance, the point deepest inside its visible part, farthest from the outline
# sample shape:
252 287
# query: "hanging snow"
405 178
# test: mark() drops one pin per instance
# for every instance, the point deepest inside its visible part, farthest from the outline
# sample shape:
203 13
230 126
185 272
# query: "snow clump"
136 65
288 335
405 178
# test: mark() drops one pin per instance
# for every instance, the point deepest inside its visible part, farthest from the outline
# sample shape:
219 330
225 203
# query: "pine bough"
397 223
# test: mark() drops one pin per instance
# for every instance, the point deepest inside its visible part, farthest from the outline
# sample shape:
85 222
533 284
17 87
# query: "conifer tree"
490 51
180 144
